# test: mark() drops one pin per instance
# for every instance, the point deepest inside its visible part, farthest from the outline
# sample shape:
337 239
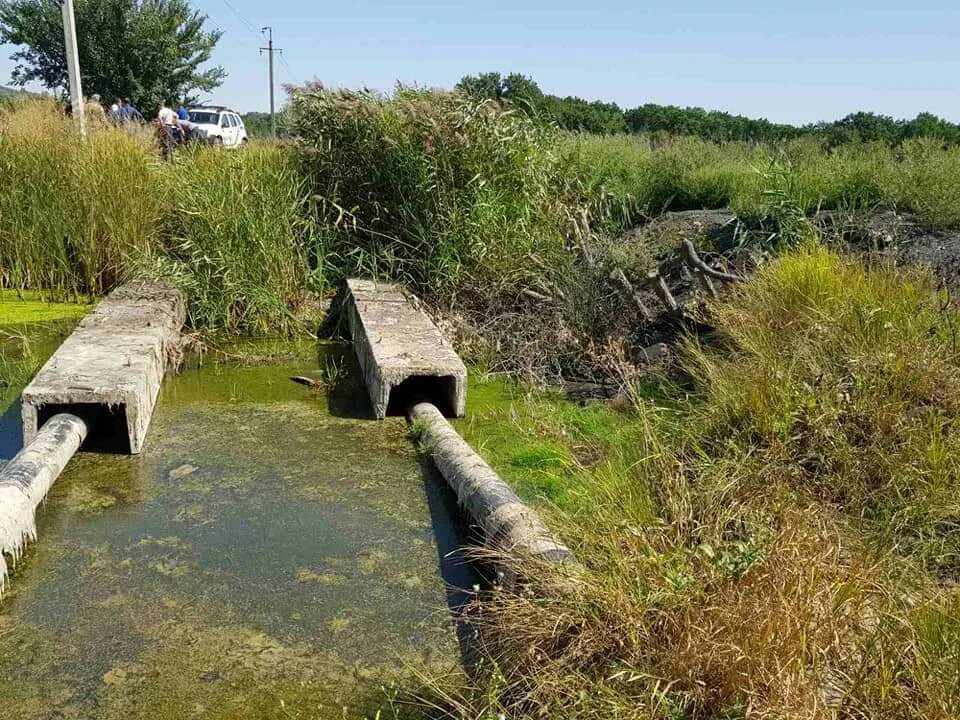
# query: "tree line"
161 50
579 115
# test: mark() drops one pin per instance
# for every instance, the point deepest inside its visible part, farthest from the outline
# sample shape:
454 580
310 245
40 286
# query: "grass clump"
236 239
432 189
71 213
647 176
231 229
782 544
848 382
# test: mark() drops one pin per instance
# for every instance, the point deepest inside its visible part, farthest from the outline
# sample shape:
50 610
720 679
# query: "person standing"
95 113
182 112
129 112
169 129
116 112
167 117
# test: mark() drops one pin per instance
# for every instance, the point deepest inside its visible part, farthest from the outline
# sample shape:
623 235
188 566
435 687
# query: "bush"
230 228
432 189
236 238
780 544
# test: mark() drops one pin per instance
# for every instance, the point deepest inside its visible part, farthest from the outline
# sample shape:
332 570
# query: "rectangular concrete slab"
402 354
109 371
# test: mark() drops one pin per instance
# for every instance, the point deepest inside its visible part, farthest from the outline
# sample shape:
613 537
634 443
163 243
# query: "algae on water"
244 565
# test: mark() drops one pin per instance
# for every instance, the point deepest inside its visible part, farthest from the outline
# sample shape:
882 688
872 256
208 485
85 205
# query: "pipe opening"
107 425
440 390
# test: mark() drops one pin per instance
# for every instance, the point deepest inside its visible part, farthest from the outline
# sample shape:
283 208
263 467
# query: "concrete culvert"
25 480
507 523
440 391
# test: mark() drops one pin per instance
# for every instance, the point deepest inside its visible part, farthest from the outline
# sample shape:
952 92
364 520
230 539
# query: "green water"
267 556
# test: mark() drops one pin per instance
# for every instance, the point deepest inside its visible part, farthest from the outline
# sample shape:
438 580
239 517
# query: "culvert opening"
441 390
107 425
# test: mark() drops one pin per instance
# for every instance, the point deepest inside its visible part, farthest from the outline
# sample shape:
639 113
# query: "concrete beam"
25 480
402 354
507 524
108 372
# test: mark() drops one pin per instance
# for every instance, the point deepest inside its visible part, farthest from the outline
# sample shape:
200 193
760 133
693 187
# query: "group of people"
173 126
121 112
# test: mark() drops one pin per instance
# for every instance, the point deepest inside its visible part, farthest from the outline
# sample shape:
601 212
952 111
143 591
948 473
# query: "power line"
246 23
292 76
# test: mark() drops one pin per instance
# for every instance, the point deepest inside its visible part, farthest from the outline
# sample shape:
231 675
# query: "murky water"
267 556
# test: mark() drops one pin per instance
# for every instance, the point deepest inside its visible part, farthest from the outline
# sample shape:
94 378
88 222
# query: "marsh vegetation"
768 520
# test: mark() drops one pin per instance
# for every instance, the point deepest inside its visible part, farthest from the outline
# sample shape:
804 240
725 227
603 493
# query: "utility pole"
270 50
73 66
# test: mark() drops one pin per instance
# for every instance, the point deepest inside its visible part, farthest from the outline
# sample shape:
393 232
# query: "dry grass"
780 545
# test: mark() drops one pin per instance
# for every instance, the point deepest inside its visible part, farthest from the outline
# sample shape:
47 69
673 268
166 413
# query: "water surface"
263 558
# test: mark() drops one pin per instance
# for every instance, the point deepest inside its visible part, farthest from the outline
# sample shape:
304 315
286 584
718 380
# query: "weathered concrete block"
402 354
109 371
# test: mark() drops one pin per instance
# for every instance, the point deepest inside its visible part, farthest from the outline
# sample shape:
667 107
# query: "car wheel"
218 142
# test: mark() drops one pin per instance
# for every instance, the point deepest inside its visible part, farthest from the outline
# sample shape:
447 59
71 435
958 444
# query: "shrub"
70 212
236 238
432 189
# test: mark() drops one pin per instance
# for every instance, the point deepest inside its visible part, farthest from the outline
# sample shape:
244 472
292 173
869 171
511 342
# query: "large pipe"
26 479
506 522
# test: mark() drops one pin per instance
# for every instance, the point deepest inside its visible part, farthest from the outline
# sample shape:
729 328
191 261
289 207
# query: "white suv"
217 126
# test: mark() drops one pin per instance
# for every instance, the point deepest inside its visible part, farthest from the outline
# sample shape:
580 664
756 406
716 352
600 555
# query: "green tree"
147 50
493 86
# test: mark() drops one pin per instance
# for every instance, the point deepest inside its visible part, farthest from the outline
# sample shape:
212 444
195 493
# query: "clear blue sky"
817 60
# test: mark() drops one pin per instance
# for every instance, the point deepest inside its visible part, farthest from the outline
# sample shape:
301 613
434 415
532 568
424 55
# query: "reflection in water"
262 558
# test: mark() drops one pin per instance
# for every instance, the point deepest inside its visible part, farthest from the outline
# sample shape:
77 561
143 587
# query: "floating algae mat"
267 556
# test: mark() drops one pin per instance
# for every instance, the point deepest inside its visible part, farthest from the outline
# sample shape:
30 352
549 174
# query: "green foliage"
147 51
779 539
437 190
569 113
63 224
709 125
831 368
236 238
514 87
601 118
229 227
259 127
639 174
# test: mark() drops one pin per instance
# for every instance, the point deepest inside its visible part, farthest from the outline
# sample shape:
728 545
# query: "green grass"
785 533
784 529
470 205
689 173
229 228
538 442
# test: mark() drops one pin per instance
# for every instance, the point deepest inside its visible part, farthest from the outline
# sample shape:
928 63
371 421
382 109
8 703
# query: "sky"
794 62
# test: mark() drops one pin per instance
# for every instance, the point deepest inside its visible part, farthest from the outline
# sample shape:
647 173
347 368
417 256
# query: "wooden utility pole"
270 50
73 66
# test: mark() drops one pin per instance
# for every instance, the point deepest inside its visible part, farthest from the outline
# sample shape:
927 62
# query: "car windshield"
204 117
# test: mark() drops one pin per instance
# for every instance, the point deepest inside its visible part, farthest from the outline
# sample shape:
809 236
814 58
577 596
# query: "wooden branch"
620 279
705 283
535 295
663 292
691 256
